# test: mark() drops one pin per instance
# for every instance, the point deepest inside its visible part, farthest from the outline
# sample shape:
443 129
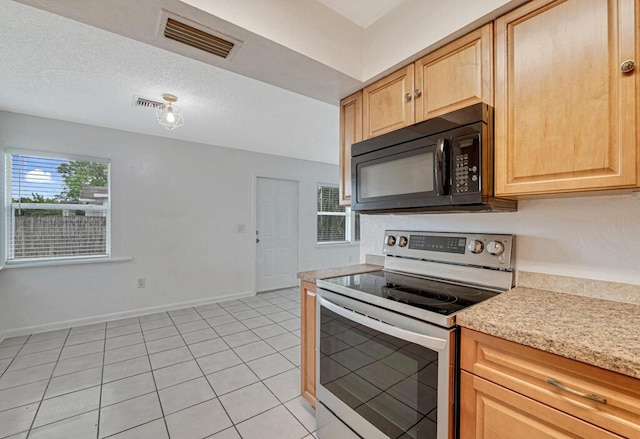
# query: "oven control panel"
483 250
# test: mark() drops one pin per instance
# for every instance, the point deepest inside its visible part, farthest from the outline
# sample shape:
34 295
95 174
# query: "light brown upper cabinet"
350 133
455 76
566 97
388 103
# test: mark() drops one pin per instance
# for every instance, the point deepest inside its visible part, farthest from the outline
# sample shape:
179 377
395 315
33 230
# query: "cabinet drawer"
527 371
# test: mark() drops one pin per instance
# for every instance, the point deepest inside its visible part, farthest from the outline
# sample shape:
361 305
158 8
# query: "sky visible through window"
36 175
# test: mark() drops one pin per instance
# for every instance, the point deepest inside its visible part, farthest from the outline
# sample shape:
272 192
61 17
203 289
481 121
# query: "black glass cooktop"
439 297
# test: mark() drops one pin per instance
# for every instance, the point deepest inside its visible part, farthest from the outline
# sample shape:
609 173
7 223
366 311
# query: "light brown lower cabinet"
308 341
508 390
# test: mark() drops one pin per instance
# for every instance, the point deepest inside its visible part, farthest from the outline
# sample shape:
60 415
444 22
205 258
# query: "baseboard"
118 315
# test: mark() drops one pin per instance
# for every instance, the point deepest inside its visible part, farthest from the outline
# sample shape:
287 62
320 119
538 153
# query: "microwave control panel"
466 164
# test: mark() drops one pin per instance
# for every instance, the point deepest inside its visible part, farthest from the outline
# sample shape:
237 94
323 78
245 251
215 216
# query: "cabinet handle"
590 396
627 66
407 97
417 93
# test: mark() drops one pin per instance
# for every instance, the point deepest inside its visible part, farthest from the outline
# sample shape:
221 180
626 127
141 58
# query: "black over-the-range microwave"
442 164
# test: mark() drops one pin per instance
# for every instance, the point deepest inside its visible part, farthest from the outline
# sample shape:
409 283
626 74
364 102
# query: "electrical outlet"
142 282
241 228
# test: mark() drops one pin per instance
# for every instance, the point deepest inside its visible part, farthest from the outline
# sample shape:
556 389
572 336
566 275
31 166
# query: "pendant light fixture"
169 115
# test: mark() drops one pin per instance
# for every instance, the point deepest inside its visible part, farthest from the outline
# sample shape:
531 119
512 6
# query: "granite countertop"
594 331
312 276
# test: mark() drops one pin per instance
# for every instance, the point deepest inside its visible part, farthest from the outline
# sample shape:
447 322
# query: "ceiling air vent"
197 38
146 103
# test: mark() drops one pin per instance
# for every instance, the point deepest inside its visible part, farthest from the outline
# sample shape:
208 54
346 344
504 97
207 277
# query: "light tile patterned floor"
225 371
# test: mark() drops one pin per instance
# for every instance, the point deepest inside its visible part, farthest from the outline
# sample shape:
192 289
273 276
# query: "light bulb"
170 117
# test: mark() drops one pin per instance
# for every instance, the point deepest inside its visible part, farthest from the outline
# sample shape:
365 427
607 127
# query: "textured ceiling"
362 12
62 69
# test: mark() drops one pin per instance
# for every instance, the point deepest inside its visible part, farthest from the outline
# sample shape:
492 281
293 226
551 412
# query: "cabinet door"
489 411
388 103
565 113
350 133
308 341
457 75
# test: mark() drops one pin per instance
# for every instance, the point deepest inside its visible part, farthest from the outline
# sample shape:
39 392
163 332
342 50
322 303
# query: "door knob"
257 240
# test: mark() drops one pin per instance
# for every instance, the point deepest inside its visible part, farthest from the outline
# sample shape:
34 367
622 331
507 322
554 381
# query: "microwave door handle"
440 165
434 343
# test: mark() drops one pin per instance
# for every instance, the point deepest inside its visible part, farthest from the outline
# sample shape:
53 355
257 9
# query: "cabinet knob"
627 66
417 93
407 97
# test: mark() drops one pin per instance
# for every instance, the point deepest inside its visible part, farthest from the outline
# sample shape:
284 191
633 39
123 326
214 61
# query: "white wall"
175 209
589 237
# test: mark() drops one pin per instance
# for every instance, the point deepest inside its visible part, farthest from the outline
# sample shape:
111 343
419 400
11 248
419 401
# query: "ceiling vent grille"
197 38
146 103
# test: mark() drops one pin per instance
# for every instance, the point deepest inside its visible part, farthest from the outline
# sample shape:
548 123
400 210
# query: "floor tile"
181 312
126 353
36 359
74 382
49 335
123 330
14 341
167 358
269 331
156 334
4 364
245 315
198 336
151 430
66 406
290 325
197 325
127 388
290 306
293 355
186 318
207 307
185 395
230 328
22 395
277 422
9 352
278 300
82 349
176 374
305 414
240 338
284 341
286 386
25 376
78 427
254 350
125 369
237 308
213 313
269 366
269 309
218 361
88 328
22 435
122 322
154 316
18 419
79 363
164 344
128 414
156 324
221 320
123 340
208 347
257 322
199 421
229 433
32 348
248 401
84 337
296 333
231 379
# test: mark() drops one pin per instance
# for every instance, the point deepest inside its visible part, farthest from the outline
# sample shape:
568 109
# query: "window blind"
59 208
332 218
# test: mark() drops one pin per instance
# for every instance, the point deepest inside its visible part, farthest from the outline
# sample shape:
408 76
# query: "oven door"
382 374
414 174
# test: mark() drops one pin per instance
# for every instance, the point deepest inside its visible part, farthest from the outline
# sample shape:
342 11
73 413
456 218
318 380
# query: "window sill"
13 265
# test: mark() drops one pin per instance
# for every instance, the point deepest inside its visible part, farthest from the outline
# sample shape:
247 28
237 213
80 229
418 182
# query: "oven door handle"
434 343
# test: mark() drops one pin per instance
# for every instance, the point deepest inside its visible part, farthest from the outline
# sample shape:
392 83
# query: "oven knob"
475 246
495 248
403 241
391 240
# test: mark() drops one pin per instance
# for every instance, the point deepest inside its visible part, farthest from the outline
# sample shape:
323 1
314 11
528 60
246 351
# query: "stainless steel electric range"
387 340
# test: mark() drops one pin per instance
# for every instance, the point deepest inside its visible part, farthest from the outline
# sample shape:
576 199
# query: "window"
335 223
56 208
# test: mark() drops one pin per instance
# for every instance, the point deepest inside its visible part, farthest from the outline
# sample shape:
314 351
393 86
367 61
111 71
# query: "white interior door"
276 234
